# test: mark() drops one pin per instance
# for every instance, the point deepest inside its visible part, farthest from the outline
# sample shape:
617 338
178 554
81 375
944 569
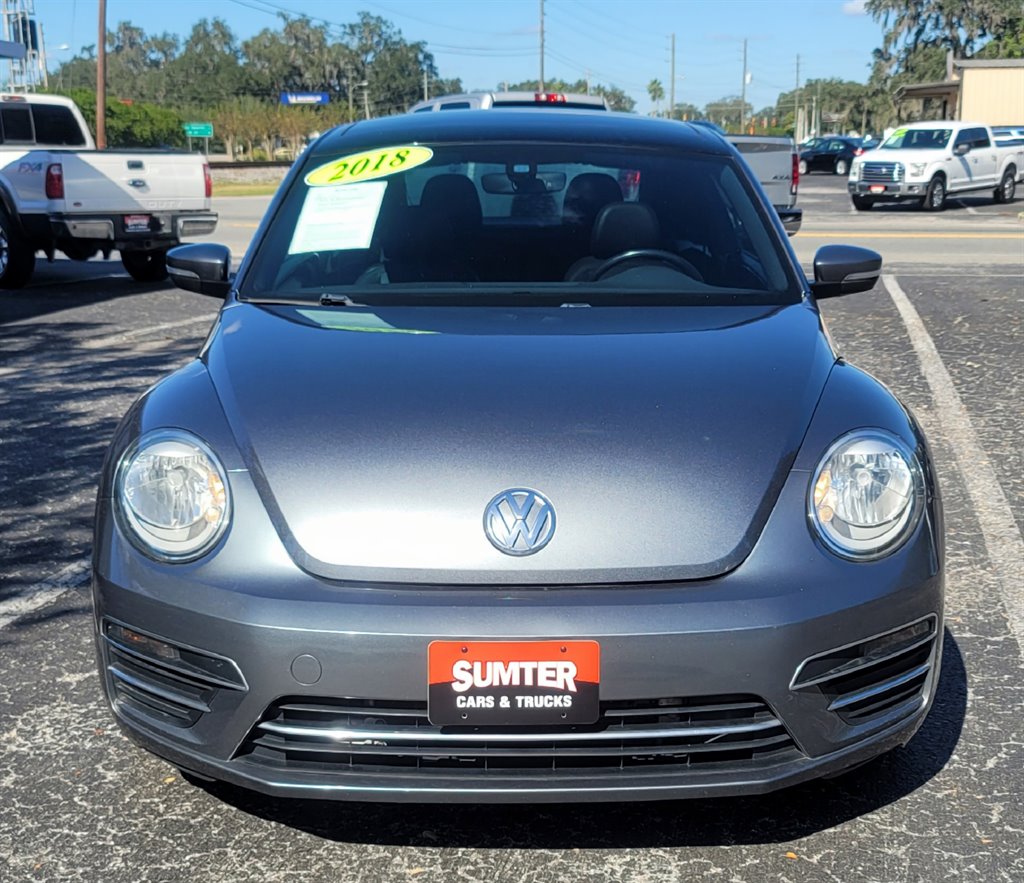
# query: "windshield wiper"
338 300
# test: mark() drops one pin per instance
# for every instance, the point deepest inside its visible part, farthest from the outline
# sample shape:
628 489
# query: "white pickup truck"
59 193
926 162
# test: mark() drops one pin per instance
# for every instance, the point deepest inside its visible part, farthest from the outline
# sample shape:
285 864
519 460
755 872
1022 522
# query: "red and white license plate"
136 223
501 683
877 188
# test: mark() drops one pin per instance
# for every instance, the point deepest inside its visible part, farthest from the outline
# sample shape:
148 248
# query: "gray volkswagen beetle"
518 466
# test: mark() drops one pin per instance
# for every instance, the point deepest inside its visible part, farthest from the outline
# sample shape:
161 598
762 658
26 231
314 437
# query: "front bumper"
352 659
888 189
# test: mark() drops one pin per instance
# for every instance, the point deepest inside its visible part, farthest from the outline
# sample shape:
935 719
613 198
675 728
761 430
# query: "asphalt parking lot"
944 330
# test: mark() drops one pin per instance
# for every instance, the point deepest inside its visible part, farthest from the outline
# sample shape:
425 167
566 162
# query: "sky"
620 42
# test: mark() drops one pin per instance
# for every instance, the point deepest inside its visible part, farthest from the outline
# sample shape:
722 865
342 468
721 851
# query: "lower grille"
354 734
874 677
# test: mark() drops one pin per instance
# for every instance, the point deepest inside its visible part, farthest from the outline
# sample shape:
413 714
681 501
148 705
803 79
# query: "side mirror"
844 269
962 149
203 267
791 219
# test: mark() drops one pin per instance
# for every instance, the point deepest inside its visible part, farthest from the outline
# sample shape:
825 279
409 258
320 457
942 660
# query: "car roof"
522 124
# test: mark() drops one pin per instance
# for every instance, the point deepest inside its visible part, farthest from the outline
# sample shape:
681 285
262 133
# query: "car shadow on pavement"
774 818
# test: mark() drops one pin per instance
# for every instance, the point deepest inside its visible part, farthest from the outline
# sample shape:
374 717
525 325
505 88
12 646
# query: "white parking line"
44 592
970 209
1003 542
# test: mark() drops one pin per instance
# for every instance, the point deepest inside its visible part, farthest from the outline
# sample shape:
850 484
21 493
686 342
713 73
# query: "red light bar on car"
549 98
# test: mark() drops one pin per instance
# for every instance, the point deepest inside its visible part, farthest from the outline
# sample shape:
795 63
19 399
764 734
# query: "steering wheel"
649 254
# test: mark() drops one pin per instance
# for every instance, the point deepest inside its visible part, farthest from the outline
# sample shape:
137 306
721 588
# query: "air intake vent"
344 735
164 682
876 676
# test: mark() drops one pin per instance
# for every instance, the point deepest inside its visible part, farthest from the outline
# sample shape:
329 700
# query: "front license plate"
136 223
877 188
527 683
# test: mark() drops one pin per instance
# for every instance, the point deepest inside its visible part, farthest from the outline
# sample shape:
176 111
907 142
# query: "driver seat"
619 227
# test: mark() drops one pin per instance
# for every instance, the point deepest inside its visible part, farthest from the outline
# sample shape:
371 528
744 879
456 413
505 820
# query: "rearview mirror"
961 149
844 269
203 267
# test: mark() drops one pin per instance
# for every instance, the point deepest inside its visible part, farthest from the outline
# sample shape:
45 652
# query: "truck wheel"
935 197
842 167
145 266
862 203
17 257
802 167
1007 188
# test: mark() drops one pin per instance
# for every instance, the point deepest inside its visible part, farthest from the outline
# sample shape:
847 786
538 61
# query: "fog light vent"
876 676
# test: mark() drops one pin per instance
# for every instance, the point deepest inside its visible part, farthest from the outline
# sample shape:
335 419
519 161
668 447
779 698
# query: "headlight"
855 171
866 495
172 495
917 169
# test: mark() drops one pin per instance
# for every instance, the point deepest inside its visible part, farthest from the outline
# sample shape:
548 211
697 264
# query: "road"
79 803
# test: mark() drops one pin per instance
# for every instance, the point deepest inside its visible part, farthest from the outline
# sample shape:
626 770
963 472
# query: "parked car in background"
59 193
832 154
868 143
485 100
925 162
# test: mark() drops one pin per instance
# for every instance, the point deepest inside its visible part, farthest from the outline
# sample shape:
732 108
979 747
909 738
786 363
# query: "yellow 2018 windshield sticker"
366 166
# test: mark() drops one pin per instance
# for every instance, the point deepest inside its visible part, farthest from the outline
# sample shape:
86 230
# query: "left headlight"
172 495
866 495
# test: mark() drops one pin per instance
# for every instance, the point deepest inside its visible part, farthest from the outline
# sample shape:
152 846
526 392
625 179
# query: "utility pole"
425 93
540 86
588 82
817 116
351 95
672 83
366 98
796 104
743 92
101 80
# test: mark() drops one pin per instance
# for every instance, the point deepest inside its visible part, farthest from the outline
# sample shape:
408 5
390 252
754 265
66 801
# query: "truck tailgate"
771 160
125 181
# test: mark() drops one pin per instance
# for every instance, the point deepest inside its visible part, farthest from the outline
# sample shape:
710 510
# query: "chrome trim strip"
160 692
863 666
878 689
346 734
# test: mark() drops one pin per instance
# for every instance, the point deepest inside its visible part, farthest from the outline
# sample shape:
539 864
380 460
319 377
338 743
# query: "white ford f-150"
59 193
926 162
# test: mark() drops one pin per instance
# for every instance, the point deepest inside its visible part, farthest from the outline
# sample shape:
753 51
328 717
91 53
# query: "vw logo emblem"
519 521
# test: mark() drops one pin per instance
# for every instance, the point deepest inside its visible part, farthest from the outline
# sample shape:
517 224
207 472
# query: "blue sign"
304 98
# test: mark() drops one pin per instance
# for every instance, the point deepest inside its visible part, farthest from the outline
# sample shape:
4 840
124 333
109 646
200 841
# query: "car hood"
660 436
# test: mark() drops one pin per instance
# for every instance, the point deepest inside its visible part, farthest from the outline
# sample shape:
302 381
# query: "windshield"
520 222
917 139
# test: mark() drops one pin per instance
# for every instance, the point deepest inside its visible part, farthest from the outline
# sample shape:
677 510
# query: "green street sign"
198 130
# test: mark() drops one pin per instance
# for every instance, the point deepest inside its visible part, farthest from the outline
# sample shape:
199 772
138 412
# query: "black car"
829 154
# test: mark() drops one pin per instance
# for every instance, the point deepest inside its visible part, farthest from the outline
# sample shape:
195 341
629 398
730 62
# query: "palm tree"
657 93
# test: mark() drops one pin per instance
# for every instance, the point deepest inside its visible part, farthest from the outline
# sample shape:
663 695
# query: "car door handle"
136 182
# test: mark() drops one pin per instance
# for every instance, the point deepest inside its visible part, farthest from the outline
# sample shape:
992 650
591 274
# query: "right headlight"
172 496
855 170
866 495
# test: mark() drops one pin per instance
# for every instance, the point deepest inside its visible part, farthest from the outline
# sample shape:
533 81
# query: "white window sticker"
338 218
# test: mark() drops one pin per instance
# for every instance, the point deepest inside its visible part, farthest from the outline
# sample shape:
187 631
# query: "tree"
657 93
957 25
685 111
726 111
